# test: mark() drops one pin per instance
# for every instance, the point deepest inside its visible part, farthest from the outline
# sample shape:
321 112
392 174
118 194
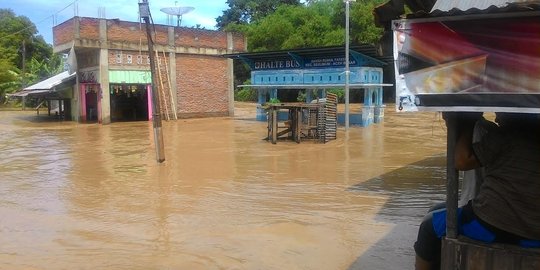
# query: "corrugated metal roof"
366 49
463 7
447 5
51 82
46 88
24 93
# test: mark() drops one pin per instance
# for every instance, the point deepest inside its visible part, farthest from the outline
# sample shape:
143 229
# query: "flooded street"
87 196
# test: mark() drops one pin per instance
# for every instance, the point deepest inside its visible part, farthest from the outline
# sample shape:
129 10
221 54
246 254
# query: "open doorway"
129 102
90 103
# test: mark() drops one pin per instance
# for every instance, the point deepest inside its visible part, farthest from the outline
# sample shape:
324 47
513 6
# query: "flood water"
87 196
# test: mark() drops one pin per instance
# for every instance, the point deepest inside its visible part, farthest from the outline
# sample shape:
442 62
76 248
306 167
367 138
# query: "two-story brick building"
113 69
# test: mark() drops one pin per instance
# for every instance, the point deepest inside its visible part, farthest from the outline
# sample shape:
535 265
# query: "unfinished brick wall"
239 42
128 32
89 28
192 37
135 33
202 86
64 32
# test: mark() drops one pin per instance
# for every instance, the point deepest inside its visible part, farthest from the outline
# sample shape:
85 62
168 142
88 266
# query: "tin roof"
366 49
46 88
462 7
50 83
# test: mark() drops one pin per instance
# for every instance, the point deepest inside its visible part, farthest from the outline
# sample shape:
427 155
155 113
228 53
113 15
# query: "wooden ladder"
166 100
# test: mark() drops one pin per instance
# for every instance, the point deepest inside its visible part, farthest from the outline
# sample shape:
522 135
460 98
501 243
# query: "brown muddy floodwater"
87 196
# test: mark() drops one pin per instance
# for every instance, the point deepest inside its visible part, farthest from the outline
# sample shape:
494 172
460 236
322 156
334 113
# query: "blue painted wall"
316 76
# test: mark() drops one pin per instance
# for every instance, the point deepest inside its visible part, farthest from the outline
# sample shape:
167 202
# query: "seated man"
471 179
506 208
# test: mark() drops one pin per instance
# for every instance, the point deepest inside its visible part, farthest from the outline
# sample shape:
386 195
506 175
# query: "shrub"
246 93
339 92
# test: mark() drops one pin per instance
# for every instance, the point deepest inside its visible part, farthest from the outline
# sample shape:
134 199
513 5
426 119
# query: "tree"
248 11
294 27
319 23
363 28
19 40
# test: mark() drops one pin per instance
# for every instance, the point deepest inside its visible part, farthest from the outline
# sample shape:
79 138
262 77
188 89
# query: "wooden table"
294 123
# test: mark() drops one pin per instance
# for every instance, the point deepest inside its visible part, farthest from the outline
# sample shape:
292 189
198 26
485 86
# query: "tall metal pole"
452 183
23 81
347 68
144 11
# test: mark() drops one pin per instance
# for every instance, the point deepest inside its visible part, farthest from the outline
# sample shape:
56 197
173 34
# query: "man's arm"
464 155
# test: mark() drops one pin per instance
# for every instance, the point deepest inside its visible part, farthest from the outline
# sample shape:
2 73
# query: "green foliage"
315 24
363 29
9 78
274 101
25 57
245 93
248 11
340 93
293 27
44 68
301 96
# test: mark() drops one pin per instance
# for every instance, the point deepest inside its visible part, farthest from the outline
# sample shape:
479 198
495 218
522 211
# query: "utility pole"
347 68
144 11
23 79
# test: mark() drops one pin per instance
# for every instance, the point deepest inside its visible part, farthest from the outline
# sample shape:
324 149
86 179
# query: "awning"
52 82
24 93
46 88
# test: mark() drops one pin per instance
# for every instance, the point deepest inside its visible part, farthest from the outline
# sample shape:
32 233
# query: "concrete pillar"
309 95
368 115
172 66
368 110
76 101
230 73
273 93
368 97
321 93
379 106
77 28
261 99
104 95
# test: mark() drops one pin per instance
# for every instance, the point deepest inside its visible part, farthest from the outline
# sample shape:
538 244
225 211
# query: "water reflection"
224 199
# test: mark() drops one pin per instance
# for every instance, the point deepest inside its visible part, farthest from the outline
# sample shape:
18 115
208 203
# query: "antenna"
101 12
176 11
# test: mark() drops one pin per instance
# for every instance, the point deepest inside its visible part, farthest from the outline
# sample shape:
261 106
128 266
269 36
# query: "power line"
35 24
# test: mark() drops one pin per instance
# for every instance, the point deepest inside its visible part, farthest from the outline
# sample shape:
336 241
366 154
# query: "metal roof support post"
347 68
452 178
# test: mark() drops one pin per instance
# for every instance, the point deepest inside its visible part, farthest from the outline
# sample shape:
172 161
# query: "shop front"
130 95
130 102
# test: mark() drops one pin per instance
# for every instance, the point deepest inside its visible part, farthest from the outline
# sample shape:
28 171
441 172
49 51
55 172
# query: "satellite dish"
176 11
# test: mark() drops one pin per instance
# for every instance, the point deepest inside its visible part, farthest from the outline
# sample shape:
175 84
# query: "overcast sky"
45 13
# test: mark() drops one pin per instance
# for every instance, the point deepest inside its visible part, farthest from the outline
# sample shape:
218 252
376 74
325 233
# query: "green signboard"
130 76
